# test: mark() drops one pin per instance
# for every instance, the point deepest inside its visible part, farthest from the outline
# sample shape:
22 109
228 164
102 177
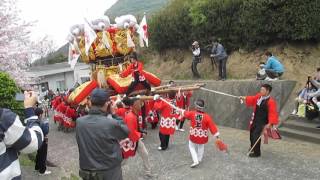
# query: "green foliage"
135 7
57 59
237 23
8 90
170 27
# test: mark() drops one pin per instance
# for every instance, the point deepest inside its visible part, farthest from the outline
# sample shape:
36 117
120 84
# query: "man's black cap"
99 97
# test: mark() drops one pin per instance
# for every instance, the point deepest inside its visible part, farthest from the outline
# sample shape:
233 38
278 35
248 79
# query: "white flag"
143 31
89 36
73 55
105 41
130 42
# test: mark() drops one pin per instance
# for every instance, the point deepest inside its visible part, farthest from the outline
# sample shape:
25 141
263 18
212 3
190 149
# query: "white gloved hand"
156 97
118 100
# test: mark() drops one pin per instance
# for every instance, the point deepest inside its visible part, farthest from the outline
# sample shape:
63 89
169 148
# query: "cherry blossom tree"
15 46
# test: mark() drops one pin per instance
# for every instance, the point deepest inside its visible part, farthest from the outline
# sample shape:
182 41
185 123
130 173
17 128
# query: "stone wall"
228 111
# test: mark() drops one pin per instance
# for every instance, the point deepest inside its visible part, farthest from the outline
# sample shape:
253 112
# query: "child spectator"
261 75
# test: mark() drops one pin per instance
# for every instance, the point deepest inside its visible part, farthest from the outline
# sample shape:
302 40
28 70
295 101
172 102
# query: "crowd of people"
270 70
111 129
307 103
114 128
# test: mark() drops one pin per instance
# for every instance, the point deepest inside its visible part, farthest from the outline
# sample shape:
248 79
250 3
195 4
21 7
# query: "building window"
61 85
44 86
84 79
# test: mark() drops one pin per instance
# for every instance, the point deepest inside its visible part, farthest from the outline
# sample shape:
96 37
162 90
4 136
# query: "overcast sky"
55 17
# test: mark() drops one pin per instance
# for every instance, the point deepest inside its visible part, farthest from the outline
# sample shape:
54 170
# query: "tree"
42 48
8 90
15 46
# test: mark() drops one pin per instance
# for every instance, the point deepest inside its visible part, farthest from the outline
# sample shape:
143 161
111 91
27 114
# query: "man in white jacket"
195 59
16 138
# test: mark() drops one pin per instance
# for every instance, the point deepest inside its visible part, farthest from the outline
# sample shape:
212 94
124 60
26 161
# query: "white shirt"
196 52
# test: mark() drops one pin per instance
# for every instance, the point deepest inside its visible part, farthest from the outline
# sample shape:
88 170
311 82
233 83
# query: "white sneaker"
181 130
194 165
45 173
159 148
177 128
294 112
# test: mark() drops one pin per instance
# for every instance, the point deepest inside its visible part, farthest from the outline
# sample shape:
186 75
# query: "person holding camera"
220 55
98 135
195 59
16 138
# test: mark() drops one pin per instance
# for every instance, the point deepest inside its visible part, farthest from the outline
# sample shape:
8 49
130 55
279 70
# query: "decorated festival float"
107 48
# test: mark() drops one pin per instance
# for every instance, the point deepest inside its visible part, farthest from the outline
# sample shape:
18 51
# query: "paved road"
285 159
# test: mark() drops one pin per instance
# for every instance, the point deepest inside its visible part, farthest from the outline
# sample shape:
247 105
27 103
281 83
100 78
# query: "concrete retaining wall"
228 111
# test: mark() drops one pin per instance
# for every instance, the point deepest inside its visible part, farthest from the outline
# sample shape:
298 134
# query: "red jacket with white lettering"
132 68
151 115
122 111
183 99
132 122
200 123
168 116
129 144
273 118
71 113
62 108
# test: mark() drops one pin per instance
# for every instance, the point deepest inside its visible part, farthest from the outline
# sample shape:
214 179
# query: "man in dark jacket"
98 135
41 157
220 55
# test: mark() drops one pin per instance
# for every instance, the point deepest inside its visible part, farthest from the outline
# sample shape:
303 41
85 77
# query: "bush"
237 23
8 90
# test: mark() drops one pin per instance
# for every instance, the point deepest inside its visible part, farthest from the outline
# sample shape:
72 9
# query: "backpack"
312 111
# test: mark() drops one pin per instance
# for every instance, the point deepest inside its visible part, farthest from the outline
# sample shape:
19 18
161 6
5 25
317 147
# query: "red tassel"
273 133
221 146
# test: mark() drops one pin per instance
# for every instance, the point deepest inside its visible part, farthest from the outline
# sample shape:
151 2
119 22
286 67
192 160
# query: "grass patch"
25 160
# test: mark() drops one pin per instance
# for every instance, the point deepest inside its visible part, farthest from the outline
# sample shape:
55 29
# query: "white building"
60 75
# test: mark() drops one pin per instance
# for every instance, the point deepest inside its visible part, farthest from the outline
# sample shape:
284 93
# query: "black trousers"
255 133
194 69
273 74
222 68
164 141
180 124
135 83
154 125
41 158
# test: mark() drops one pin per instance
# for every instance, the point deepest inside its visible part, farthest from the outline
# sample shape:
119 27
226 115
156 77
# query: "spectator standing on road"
16 138
98 135
41 157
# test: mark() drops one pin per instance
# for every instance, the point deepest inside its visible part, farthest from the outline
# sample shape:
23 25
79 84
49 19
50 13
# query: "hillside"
136 7
300 60
61 55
